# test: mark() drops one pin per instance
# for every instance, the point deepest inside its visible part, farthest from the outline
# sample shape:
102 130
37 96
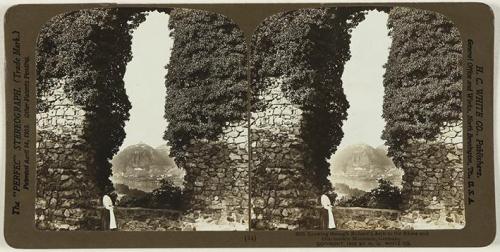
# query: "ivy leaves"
89 50
206 79
308 48
423 77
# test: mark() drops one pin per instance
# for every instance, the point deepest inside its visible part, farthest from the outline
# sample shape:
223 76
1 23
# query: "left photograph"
141 122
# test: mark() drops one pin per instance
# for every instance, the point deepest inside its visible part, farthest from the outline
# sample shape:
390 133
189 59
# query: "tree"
385 196
423 78
167 196
206 79
89 49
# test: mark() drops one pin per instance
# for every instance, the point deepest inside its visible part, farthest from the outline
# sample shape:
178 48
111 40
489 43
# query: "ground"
138 219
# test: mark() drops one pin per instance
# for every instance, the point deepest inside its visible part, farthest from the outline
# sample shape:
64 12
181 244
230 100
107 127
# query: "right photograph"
356 121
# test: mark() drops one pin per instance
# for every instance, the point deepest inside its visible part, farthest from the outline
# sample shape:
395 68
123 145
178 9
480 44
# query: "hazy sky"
144 81
363 81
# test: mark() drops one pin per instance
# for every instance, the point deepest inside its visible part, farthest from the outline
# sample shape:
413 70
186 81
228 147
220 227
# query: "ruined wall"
67 197
282 196
434 176
216 181
423 109
65 190
146 219
357 218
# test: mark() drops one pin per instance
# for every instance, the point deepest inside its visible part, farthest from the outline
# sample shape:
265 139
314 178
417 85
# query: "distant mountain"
360 166
141 166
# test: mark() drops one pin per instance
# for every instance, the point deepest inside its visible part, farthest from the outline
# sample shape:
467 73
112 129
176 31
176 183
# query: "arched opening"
82 61
207 112
143 164
361 158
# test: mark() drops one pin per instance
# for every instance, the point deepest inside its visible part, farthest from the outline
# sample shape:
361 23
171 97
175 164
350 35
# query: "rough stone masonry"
282 196
216 181
66 196
434 176
217 171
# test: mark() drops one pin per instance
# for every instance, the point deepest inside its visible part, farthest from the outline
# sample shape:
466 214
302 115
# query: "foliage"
90 49
386 195
423 77
136 198
347 190
132 192
167 196
308 48
121 188
206 79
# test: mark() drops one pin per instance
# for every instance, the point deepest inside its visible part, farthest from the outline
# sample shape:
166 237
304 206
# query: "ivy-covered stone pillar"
282 195
298 109
81 111
206 108
422 108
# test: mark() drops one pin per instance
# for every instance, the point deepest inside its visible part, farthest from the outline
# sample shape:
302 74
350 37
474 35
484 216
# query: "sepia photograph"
141 121
357 120
249 124
352 121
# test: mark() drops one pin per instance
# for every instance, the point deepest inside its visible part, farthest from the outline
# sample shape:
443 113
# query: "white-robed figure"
108 204
327 219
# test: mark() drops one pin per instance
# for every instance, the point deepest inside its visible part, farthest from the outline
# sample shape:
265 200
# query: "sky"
145 81
363 81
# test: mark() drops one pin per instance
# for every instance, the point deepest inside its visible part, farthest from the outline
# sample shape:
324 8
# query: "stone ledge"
362 213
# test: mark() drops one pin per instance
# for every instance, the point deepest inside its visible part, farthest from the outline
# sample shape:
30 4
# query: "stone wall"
357 218
216 181
282 196
147 219
434 176
66 193
144 219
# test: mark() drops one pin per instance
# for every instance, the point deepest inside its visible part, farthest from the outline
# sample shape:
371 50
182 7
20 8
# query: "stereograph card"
249 125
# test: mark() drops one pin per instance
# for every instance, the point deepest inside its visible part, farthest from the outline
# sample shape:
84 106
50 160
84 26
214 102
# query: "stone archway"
82 107
142 163
287 186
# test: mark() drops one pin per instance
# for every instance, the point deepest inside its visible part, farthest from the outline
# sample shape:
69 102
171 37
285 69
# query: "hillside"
141 166
359 166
